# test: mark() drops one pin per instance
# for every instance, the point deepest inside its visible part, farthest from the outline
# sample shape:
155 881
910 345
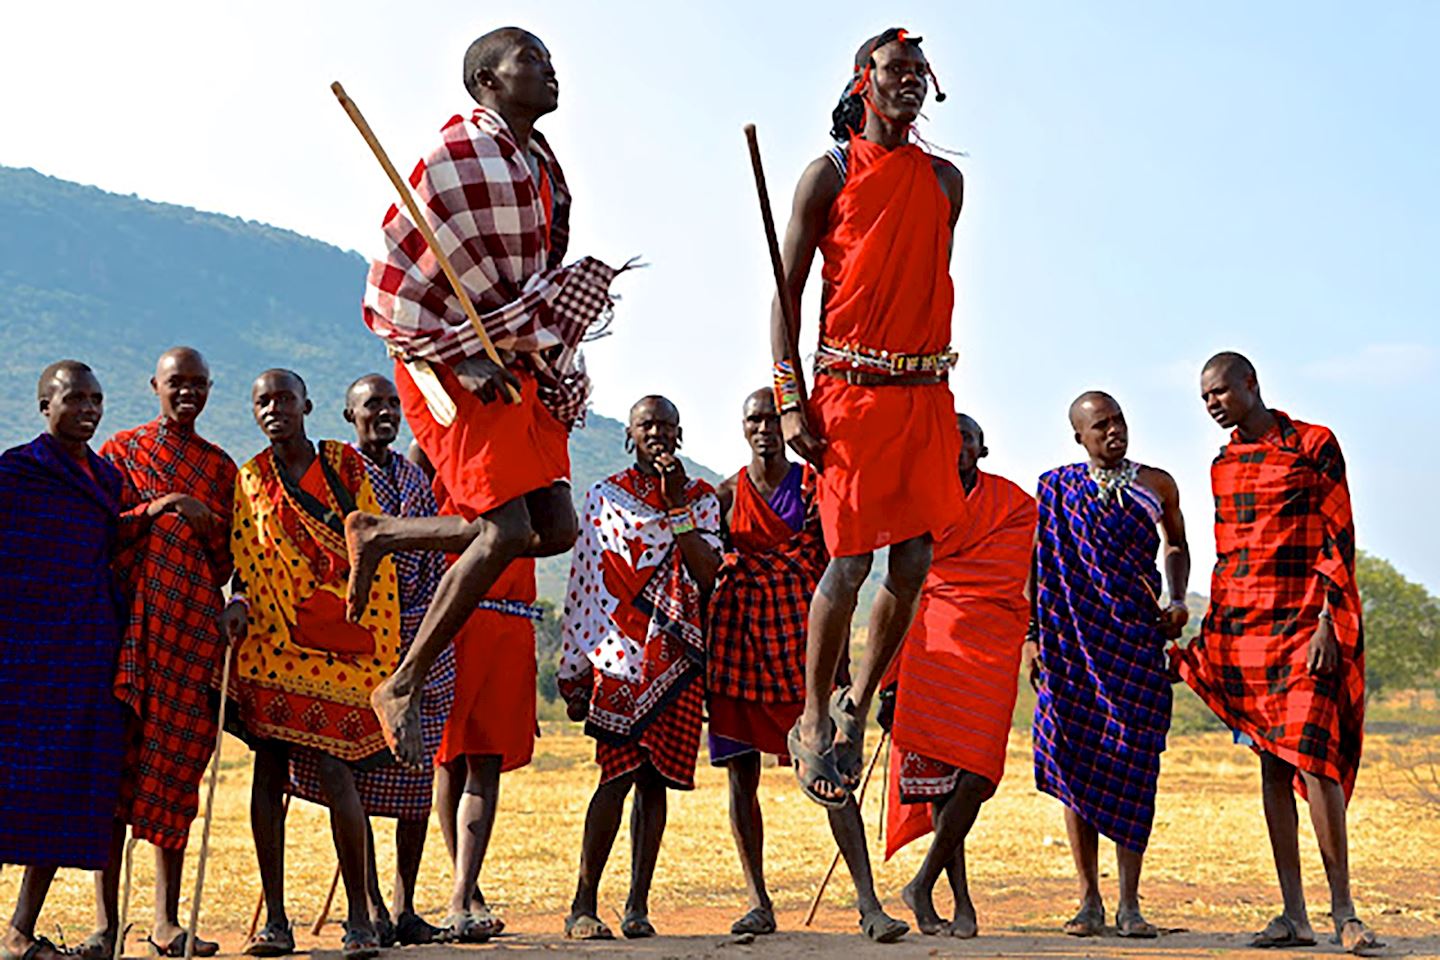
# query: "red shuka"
959 668
1284 540
493 452
889 468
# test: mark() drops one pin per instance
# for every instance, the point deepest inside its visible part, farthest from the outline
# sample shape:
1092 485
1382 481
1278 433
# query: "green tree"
1402 628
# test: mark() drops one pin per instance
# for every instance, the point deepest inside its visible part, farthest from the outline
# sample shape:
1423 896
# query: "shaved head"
278 374
1090 398
966 422
660 405
178 357
1230 365
758 398
365 385
60 369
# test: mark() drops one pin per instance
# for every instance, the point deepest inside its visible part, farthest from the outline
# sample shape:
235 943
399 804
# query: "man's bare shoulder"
1160 481
820 181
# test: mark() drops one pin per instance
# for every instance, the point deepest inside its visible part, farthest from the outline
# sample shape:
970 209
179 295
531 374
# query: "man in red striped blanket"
756 663
498 202
956 680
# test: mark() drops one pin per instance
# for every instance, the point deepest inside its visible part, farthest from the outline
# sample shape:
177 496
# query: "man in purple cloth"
61 727
1097 650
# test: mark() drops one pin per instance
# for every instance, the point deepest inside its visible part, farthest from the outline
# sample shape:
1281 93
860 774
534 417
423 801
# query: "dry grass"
1208 868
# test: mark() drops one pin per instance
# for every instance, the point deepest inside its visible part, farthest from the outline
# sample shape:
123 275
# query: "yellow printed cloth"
304 674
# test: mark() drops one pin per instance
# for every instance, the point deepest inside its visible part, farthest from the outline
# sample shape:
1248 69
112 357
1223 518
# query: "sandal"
1132 924
637 927
385 933
487 919
585 927
463 928
176 947
758 922
411 930
1288 935
812 767
360 944
849 753
880 927
40 949
100 945
1355 937
272 940
1089 922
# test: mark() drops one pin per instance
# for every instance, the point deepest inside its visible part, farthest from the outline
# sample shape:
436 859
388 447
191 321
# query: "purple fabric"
787 501
1104 704
61 617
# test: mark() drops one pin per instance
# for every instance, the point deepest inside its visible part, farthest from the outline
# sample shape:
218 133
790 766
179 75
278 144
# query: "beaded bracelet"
787 388
681 521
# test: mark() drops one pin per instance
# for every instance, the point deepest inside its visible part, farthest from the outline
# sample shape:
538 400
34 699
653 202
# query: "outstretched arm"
819 186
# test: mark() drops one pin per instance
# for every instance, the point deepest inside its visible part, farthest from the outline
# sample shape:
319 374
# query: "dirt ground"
1209 879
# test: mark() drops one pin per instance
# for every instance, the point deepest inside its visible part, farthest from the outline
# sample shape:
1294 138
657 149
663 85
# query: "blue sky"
1146 184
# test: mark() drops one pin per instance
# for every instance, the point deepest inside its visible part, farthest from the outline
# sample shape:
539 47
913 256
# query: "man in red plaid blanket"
498 201
1280 658
632 657
756 664
174 641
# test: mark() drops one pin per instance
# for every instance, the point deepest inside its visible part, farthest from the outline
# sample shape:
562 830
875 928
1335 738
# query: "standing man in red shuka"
880 422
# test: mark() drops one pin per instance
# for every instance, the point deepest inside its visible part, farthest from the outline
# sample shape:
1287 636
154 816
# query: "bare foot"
399 715
922 904
965 926
364 556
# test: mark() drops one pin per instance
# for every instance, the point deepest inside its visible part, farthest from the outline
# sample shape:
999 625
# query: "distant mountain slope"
115 280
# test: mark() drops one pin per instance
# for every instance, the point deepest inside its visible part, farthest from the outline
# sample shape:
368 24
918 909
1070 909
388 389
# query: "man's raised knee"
909 563
846 575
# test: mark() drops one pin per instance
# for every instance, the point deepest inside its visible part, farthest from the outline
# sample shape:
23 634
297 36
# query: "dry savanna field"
1208 877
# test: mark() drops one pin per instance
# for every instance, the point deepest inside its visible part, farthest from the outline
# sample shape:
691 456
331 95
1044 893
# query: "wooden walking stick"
209 806
787 308
329 899
859 801
421 224
121 928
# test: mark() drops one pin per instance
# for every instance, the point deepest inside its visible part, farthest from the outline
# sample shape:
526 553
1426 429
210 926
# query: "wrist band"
241 599
1325 615
787 388
1179 605
681 521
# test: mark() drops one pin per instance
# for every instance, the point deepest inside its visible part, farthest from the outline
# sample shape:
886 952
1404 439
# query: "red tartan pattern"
670 743
758 613
488 212
1285 540
172 649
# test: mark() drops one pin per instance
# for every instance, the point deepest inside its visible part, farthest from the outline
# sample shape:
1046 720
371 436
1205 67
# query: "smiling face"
182 382
899 81
280 405
654 429
762 425
1101 429
373 406
73 405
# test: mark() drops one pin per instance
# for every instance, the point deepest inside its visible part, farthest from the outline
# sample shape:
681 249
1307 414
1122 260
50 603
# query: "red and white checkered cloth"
487 211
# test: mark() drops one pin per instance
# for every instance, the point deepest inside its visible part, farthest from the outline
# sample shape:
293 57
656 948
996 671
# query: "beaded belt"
835 357
515 608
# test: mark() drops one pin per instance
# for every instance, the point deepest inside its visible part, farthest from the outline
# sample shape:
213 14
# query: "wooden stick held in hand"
329 901
421 224
787 309
209 806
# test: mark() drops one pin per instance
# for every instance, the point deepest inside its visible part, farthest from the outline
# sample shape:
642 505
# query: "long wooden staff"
209 806
787 309
421 224
329 899
859 802
123 927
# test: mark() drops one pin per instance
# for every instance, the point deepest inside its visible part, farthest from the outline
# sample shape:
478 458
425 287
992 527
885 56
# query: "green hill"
115 280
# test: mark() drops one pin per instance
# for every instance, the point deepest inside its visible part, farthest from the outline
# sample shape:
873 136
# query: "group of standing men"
351 636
